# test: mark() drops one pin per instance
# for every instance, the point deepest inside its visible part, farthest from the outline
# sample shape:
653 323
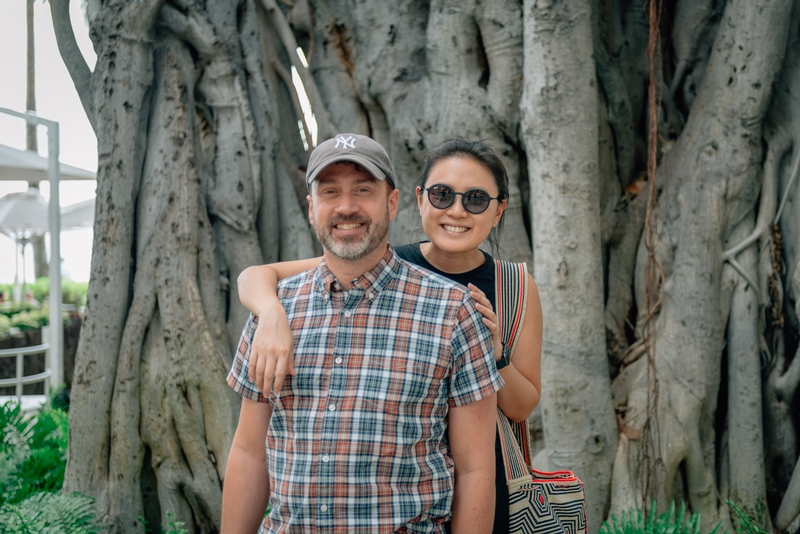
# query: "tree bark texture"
201 174
560 98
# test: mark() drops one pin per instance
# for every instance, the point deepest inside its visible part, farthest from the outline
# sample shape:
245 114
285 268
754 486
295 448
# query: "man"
389 359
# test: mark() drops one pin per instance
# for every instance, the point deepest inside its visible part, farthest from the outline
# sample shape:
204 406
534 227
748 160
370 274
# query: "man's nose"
347 204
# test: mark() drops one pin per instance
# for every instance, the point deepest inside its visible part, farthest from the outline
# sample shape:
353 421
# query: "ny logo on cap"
342 142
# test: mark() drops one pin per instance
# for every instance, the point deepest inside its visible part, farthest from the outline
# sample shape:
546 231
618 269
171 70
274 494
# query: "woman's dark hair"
479 151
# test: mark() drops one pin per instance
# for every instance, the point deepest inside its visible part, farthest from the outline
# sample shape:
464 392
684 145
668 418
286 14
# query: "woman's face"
455 229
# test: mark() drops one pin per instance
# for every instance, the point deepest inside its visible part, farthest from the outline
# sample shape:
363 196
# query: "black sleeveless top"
482 276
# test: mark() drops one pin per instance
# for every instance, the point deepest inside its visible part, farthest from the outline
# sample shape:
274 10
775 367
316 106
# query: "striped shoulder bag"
539 502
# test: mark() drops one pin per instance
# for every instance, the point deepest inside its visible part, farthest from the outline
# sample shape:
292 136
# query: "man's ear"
394 203
310 210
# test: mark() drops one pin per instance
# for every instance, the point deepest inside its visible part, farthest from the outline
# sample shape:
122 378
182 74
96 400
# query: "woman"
461 195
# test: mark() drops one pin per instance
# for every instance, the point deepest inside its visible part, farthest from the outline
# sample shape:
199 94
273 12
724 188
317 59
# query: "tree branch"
790 505
793 177
749 279
326 127
194 29
769 190
72 57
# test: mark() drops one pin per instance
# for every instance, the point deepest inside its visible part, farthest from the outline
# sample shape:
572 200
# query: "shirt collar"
374 280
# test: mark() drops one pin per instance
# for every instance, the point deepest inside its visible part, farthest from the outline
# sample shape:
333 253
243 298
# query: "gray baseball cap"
355 148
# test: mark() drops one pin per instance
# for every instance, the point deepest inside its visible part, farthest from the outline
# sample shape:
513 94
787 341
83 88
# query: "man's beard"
353 249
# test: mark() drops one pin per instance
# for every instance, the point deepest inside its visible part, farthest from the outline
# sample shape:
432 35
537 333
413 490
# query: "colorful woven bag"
539 502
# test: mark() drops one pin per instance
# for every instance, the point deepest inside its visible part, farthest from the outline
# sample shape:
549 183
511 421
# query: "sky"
56 99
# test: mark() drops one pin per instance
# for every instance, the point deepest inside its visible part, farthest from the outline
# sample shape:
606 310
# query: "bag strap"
511 295
513 459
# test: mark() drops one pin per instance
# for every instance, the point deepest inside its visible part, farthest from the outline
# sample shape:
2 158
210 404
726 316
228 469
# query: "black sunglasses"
475 201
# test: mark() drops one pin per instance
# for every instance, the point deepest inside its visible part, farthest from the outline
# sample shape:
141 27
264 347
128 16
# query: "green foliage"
51 513
747 524
175 527
6 289
5 326
71 292
9 309
31 320
670 522
32 315
33 452
33 457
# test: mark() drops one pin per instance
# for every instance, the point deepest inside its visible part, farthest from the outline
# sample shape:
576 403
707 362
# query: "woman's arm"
522 377
271 357
258 285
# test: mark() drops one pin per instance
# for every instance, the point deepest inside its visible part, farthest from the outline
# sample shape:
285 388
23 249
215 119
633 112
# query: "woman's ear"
501 208
418 193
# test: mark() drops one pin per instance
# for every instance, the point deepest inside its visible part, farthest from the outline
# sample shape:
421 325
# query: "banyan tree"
652 148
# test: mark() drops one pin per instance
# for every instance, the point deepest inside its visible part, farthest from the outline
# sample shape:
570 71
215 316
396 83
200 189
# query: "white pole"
53 175
56 324
17 296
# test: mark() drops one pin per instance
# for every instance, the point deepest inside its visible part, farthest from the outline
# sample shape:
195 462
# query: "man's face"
350 210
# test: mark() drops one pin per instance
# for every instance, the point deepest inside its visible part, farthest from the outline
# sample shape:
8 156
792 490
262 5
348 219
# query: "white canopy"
27 165
78 215
23 214
26 214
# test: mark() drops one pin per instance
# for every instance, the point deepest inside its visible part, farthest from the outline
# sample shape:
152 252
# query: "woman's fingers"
271 357
483 305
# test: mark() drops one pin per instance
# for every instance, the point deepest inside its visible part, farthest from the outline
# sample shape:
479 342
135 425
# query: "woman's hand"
271 354
483 305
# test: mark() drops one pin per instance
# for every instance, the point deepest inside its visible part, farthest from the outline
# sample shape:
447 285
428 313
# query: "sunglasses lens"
476 201
441 196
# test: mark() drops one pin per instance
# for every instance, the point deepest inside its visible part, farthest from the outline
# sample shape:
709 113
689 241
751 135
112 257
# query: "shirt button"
338 360
348 313
371 295
324 508
332 407
326 459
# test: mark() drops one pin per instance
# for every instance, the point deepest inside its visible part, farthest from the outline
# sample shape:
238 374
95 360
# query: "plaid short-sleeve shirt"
357 442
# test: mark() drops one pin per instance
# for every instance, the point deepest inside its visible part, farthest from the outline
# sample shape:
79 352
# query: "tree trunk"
560 98
37 242
711 177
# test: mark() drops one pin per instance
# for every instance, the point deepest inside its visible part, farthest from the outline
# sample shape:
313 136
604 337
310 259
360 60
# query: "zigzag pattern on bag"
547 508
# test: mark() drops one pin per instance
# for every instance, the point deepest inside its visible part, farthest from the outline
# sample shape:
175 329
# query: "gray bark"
123 41
560 98
712 184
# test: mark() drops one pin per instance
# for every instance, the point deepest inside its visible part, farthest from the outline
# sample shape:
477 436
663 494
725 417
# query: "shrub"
670 522
5 326
71 292
33 452
33 457
51 513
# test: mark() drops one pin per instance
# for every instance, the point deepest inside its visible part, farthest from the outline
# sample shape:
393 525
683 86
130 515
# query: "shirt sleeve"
237 377
474 375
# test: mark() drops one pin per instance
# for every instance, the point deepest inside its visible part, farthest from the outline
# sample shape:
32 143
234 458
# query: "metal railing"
20 379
